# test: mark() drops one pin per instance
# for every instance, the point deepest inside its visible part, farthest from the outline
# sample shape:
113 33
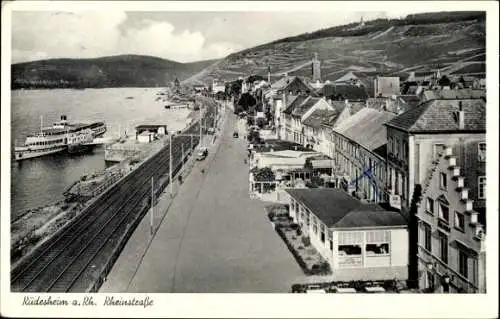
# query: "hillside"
451 41
114 71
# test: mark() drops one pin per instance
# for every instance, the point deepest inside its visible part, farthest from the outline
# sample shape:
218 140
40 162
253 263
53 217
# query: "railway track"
78 256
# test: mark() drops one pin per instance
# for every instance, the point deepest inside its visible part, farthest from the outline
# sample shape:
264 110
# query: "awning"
326 163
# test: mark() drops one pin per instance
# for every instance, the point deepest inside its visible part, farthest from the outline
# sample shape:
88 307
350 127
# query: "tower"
361 23
316 68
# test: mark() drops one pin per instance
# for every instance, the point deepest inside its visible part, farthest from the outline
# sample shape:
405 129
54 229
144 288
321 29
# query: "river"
41 181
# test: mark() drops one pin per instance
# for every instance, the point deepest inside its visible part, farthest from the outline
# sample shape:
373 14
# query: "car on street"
202 154
235 134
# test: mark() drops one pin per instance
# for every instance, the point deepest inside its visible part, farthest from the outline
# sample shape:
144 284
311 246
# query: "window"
463 268
481 189
481 152
438 149
443 182
405 150
459 221
444 212
377 243
429 208
322 235
391 146
443 247
396 146
377 249
427 237
349 249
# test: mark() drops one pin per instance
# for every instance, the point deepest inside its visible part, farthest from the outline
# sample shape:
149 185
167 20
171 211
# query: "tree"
264 174
246 101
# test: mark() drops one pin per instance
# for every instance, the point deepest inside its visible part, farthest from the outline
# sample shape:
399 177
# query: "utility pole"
152 205
170 167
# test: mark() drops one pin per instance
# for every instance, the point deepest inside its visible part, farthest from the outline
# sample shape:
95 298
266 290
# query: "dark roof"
440 115
150 126
366 128
293 102
454 94
334 208
376 216
345 91
318 116
301 109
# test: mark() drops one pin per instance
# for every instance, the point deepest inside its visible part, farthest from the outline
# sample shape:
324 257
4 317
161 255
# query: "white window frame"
440 213
481 184
443 181
456 221
427 206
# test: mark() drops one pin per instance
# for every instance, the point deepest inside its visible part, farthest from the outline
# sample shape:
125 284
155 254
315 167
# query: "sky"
180 36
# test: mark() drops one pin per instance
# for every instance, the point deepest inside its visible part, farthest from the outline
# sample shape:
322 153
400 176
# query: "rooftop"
337 209
366 128
468 93
345 91
440 115
305 106
318 117
293 101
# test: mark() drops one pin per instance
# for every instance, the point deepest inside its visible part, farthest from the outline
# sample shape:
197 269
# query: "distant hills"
113 71
454 42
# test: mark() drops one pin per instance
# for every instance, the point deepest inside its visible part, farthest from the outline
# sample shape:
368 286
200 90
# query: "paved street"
214 238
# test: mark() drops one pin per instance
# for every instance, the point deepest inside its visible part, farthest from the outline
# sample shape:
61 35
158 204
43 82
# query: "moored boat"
51 140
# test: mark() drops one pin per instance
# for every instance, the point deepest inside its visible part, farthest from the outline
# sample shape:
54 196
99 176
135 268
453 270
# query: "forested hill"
113 71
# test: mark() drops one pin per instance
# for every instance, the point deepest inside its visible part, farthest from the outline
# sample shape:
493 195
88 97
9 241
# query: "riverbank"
34 226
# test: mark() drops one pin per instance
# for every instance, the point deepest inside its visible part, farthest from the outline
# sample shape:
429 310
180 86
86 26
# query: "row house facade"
359 148
451 234
300 113
416 137
274 97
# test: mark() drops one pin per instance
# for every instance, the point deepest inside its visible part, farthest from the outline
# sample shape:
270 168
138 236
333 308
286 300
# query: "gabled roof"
334 208
366 128
318 116
305 106
293 101
441 115
283 83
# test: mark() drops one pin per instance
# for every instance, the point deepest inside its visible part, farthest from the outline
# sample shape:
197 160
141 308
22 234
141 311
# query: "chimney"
461 120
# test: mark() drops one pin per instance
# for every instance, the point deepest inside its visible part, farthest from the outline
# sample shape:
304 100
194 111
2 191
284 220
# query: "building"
396 104
451 234
360 144
342 92
301 112
427 95
274 97
312 127
416 137
160 129
359 241
218 86
291 102
386 86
